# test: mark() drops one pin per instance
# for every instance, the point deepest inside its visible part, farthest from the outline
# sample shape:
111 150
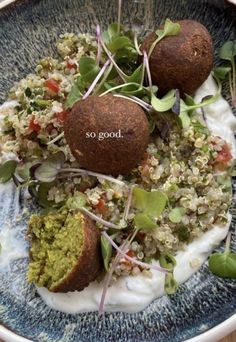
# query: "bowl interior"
28 32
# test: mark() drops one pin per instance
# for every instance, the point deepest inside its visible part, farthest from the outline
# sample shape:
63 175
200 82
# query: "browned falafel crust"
107 114
183 61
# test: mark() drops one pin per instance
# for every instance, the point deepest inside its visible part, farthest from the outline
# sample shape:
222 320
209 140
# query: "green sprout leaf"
228 51
23 170
75 94
151 203
7 170
171 285
168 261
170 29
165 103
49 168
119 43
144 222
136 76
88 69
42 195
112 32
77 201
222 72
176 214
189 106
106 252
224 264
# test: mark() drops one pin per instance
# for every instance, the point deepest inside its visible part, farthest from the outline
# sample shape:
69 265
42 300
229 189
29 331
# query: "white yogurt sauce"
4 108
11 246
132 294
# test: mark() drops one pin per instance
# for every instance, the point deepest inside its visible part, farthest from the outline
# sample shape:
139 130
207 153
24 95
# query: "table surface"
230 338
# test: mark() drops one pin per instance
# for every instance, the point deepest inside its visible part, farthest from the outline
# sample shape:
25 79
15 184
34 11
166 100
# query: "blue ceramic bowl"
28 31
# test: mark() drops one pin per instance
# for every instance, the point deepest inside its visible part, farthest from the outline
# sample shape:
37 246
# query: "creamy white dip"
132 294
12 247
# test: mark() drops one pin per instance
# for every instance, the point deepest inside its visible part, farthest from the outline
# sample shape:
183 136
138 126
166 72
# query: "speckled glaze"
28 31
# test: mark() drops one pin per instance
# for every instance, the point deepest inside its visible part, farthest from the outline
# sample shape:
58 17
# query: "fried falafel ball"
183 61
107 134
65 253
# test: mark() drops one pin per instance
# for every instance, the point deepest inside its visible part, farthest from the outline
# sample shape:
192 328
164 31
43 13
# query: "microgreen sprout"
228 53
109 55
97 78
109 274
7 170
134 99
137 45
170 29
168 261
98 219
224 264
99 52
94 174
57 138
132 260
119 16
146 64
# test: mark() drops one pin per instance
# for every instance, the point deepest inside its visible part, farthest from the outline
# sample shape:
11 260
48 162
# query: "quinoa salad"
179 189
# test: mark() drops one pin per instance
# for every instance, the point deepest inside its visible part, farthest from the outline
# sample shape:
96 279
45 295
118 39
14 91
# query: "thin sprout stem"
128 203
141 101
107 282
100 220
99 52
233 79
94 174
119 16
136 45
133 100
120 72
103 79
118 87
137 262
97 78
153 46
108 277
143 74
233 84
146 63
58 137
227 244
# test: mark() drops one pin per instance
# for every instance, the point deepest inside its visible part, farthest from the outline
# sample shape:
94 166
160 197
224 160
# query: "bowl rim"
213 335
5 3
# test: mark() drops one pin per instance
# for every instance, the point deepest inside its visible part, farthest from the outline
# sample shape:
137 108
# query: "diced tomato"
52 85
101 207
127 262
130 253
71 65
224 156
34 126
61 116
